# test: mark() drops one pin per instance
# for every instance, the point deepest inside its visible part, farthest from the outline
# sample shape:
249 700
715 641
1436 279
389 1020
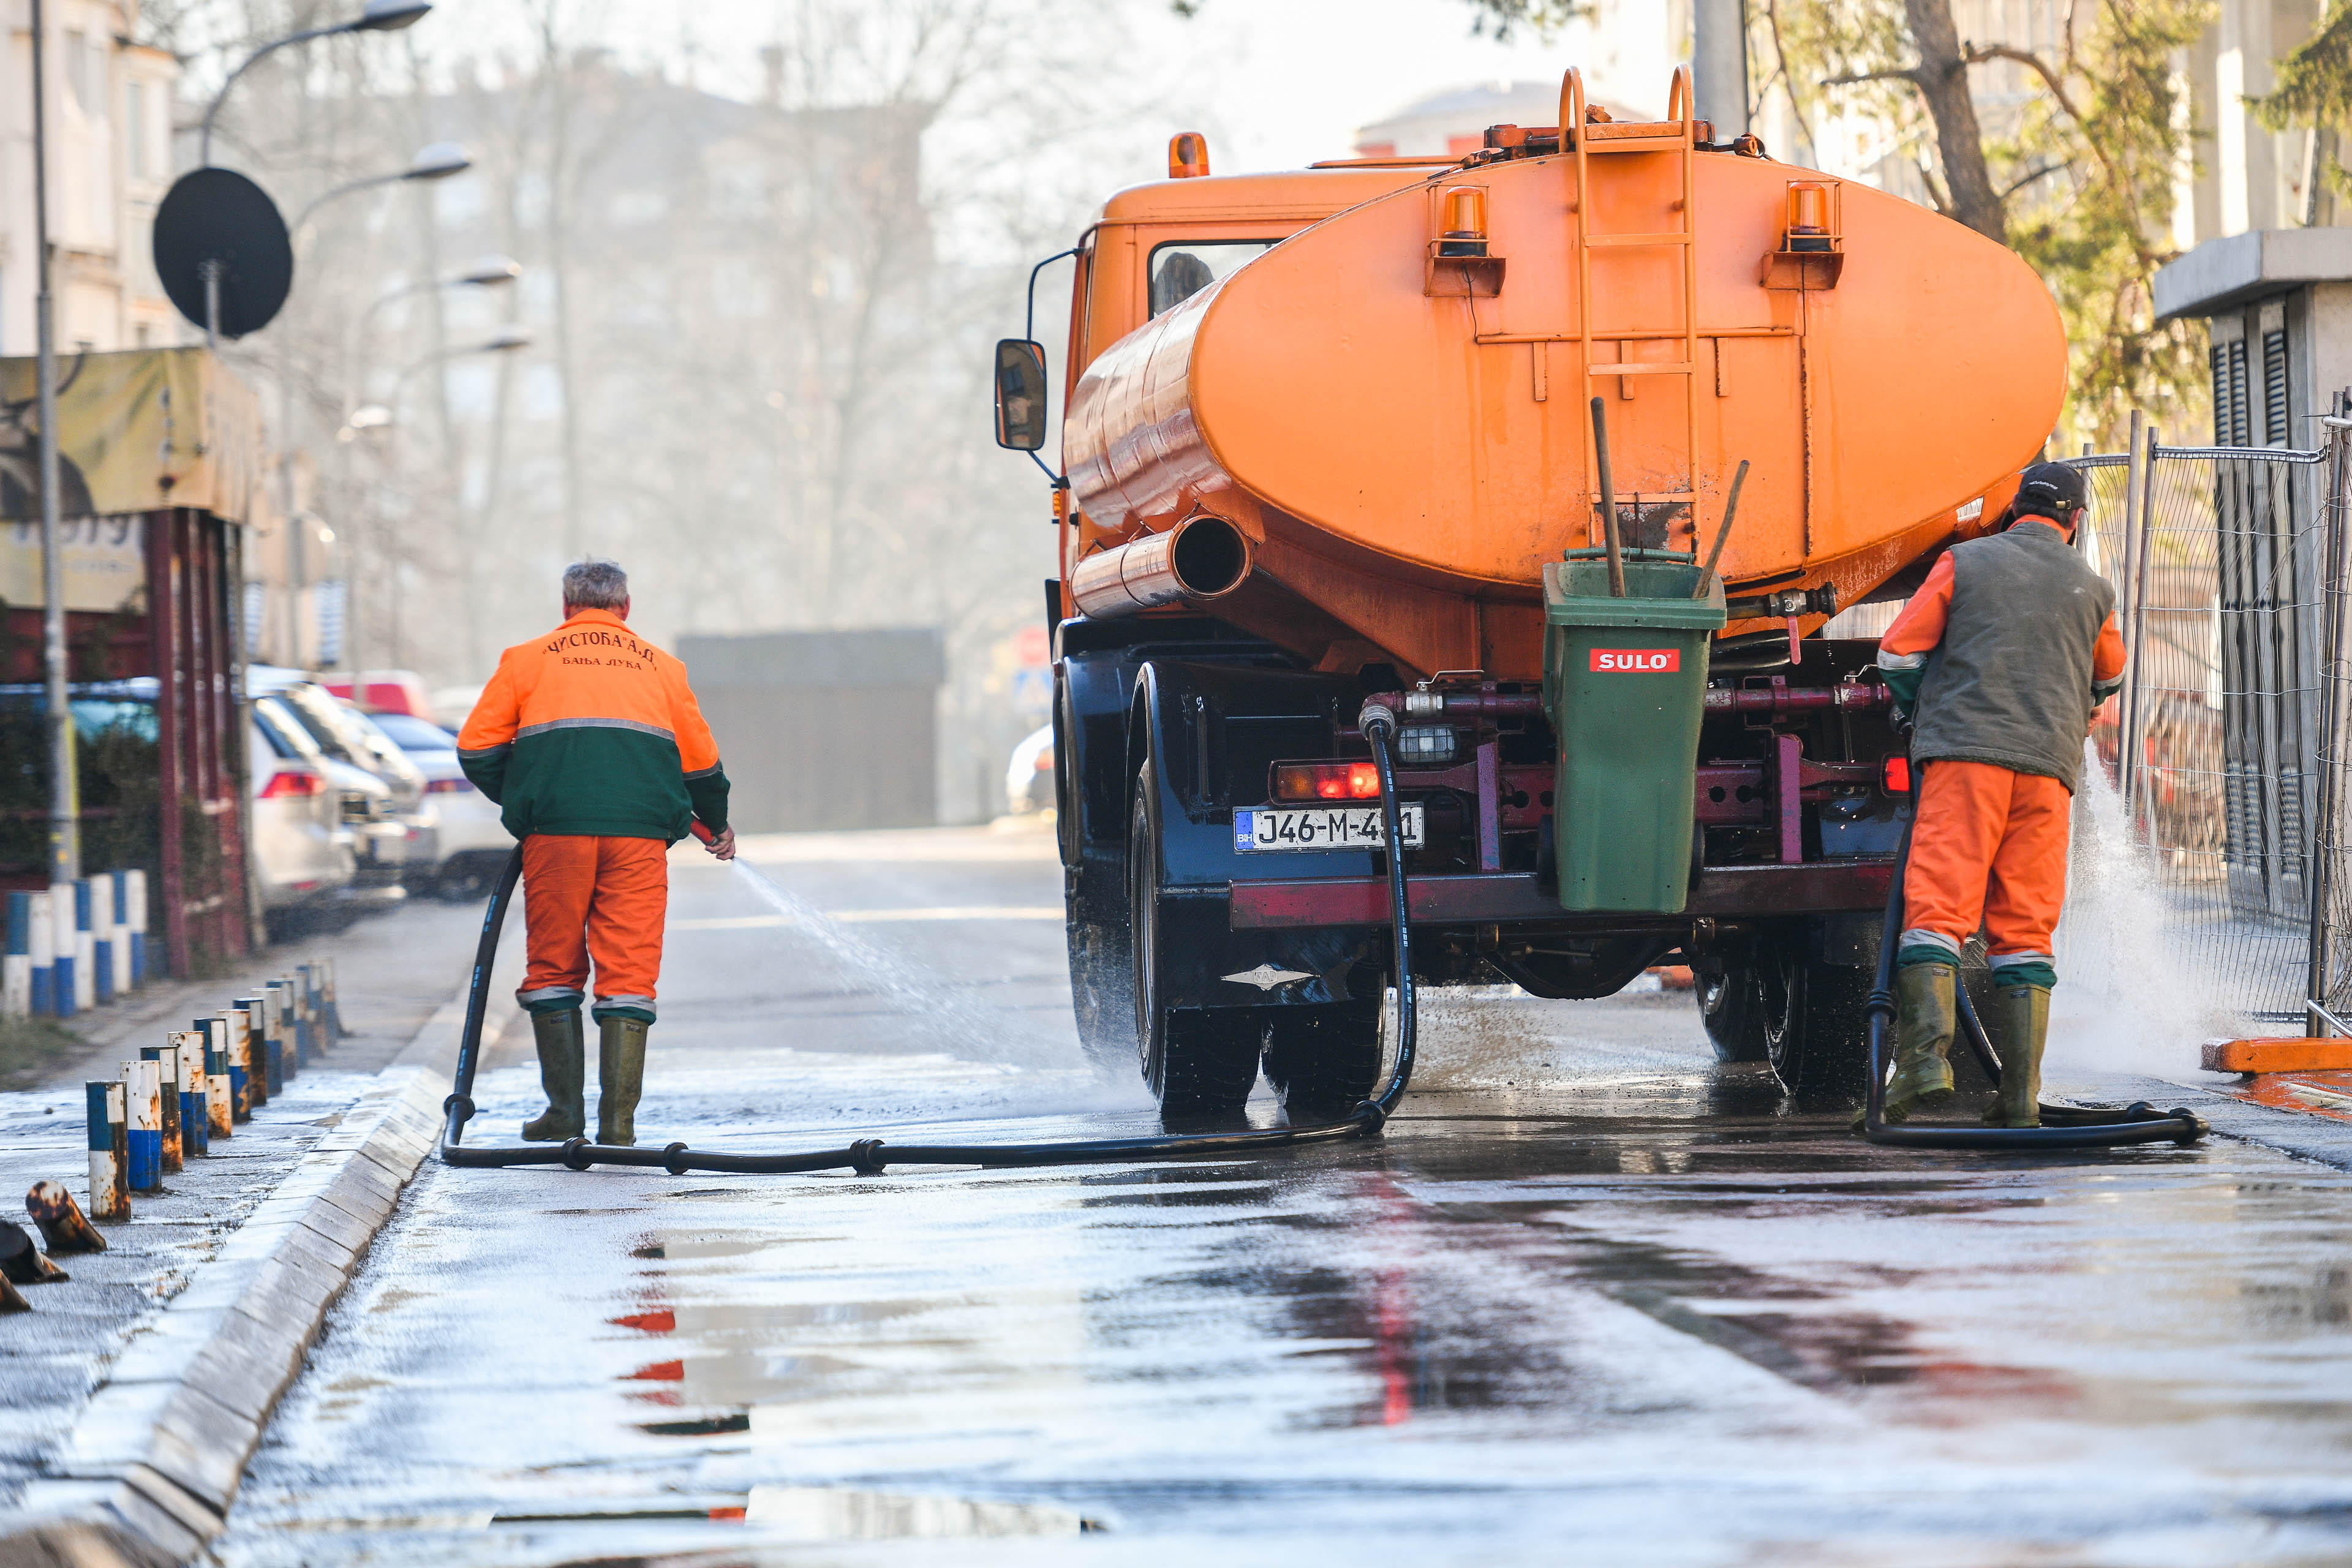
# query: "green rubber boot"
2022 1024
563 1066
620 1077
1925 1016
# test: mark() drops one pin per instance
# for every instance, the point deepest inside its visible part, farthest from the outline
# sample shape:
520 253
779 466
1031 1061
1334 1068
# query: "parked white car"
301 855
1029 778
473 843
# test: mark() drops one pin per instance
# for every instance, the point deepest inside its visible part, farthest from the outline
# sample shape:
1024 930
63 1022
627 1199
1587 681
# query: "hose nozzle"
1374 715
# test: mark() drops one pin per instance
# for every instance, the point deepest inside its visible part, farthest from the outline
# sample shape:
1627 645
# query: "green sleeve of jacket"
1905 684
707 791
487 769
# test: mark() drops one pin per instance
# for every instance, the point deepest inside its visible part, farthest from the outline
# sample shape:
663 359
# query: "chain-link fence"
2221 559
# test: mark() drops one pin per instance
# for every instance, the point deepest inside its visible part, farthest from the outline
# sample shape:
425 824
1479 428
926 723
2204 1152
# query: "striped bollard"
314 1004
41 939
118 928
85 941
280 993
109 1167
16 968
64 984
242 1098
144 1084
100 891
130 903
289 1023
195 1119
167 1069
269 1066
297 998
220 1089
245 1022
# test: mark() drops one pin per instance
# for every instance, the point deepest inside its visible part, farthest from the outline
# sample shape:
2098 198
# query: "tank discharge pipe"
1200 560
2063 1126
871 1156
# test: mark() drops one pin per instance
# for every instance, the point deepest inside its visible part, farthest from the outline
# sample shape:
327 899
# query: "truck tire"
1197 1061
1102 968
1778 1004
1323 1061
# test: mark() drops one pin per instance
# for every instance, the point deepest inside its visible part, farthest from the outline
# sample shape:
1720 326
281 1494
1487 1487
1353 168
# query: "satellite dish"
217 222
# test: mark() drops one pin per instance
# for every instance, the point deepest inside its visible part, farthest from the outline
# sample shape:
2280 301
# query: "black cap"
2054 490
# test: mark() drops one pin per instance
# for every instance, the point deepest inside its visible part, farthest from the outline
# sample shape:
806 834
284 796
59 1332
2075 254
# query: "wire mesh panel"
2331 863
2218 560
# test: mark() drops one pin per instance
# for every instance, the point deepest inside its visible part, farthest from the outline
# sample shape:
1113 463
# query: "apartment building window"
86 72
134 128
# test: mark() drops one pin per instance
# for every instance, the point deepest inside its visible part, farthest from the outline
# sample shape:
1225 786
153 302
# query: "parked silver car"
473 844
397 843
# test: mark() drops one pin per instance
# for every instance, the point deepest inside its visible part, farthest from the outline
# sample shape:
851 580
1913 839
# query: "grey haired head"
593 584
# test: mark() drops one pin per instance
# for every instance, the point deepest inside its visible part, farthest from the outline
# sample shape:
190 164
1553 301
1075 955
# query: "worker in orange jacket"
2000 661
590 740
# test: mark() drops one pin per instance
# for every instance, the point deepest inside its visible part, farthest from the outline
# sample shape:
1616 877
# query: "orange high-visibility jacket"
592 730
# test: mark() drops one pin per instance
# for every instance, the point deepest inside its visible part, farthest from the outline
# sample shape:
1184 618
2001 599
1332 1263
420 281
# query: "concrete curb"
148 1473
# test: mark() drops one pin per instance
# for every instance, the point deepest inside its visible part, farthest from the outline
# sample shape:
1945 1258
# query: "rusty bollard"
63 1227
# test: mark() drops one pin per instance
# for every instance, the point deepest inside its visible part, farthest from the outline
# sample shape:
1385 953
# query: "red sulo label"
1637 660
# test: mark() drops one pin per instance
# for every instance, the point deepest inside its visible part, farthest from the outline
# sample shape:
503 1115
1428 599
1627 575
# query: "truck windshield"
1182 267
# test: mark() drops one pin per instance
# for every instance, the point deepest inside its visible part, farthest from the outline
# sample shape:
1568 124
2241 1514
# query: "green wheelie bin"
1624 687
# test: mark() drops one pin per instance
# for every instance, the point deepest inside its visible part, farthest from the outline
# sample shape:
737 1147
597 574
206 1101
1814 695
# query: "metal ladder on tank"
1683 240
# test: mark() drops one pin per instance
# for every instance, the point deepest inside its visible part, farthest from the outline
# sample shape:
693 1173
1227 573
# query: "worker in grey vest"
2000 661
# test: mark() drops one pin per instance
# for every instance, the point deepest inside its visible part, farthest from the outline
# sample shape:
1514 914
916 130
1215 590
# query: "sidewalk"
132 1394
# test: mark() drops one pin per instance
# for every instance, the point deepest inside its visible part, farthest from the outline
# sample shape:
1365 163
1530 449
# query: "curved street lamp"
375 16
437 161
383 415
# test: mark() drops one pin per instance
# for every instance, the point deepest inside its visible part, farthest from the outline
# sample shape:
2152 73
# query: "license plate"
1257 829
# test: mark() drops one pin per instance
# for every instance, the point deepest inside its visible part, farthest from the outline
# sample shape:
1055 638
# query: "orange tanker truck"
1565 451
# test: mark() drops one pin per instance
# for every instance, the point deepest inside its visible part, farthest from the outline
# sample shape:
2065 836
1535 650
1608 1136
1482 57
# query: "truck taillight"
287 782
1895 774
1326 781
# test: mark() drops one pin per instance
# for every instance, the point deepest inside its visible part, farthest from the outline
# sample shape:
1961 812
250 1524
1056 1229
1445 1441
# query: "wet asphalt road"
1591 1298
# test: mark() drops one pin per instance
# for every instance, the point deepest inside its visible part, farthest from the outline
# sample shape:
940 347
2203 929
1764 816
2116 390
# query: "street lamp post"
375 16
506 340
65 812
437 161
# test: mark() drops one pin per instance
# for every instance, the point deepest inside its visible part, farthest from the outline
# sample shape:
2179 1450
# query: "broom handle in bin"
1608 500
1730 511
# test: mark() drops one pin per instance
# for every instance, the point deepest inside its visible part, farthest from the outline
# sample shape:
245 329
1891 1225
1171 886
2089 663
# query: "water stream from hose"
934 1014
2132 995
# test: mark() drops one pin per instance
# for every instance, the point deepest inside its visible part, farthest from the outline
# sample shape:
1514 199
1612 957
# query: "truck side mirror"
1020 394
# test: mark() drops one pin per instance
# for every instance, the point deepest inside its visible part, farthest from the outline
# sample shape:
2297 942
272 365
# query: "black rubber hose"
2066 1126
871 1155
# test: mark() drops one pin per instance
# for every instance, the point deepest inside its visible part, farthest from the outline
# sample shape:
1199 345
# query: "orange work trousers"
1989 849
587 897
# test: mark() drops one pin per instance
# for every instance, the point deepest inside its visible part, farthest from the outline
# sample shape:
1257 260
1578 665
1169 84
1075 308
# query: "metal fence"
2228 569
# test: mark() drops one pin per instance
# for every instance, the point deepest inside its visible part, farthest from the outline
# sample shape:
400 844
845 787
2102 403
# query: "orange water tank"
1394 407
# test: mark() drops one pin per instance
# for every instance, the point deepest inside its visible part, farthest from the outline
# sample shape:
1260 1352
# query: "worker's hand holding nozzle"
721 844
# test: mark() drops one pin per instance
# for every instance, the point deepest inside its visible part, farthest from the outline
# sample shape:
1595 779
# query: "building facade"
109 123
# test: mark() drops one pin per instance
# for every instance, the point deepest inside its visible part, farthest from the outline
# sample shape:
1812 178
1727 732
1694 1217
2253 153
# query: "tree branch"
2021 185
1909 74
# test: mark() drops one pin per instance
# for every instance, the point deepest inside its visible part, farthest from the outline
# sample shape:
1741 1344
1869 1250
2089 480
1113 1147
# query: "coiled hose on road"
2063 1126
870 1156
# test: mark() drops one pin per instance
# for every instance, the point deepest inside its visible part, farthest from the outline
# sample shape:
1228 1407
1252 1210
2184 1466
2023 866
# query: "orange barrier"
2305 1054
